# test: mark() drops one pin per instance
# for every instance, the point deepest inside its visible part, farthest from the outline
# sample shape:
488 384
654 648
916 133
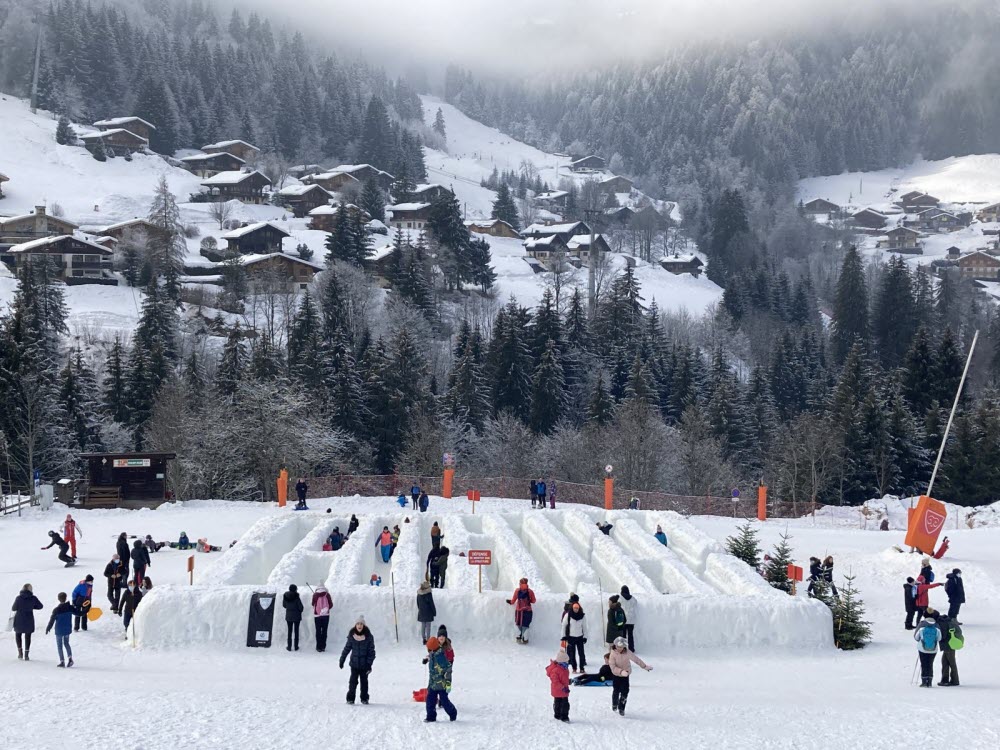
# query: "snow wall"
690 594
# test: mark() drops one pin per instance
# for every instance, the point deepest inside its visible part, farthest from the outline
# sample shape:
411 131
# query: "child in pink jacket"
620 660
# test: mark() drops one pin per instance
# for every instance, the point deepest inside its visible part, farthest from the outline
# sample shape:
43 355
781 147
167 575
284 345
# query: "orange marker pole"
282 488
446 482
762 503
609 493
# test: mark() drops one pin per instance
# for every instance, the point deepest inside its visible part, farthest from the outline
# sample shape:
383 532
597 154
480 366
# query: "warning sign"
480 557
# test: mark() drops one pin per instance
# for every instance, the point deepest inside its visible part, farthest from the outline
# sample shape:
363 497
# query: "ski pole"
914 677
395 615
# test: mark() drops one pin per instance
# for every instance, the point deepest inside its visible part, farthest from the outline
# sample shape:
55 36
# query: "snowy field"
219 695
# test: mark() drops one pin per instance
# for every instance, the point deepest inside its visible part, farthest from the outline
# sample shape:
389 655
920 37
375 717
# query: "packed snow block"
560 563
660 563
354 562
690 543
408 564
510 557
259 550
460 575
734 577
307 562
612 566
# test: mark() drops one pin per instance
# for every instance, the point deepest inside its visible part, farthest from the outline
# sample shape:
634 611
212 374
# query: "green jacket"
439 669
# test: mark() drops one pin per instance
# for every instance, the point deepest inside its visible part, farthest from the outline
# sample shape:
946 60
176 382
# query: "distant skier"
522 599
82 599
955 589
927 636
629 608
910 602
384 542
58 541
533 493
616 622
62 621
292 603
352 526
116 573
426 611
541 489
951 639
438 682
660 536
435 535
620 660
24 620
574 632
424 502
415 495
336 539
558 674
301 488
360 647
322 604
70 529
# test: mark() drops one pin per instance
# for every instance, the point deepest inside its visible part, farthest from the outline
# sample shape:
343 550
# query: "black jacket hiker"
63 545
955 589
124 551
24 611
426 611
292 603
360 647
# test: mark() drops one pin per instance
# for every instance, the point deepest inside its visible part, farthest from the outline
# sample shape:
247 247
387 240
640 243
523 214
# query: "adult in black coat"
909 601
140 560
131 597
63 545
434 566
292 603
116 573
360 647
123 549
815 574
352 526
24 619
426 611
955 589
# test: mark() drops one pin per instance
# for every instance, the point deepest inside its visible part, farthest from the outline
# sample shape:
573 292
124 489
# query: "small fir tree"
745 545
776 571
439 127
64 132
850 628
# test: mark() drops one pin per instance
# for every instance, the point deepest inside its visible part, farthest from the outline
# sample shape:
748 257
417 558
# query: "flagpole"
951 417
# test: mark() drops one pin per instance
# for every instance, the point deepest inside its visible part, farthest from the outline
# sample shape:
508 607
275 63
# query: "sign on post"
795 574
475 497
126 463
925 524
480 557
191 569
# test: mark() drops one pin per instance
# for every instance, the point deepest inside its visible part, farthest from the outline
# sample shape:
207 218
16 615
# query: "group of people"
934 630
538 490
821 571
419 498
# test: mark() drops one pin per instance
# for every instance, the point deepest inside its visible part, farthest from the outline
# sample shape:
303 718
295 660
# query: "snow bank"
511 559
613 567
734 577
562 566
307 562
660 563
259 550
456 538
408 564
691 544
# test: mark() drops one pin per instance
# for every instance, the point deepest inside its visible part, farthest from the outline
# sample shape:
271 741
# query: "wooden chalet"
240 149
536 265
262 238
916 201
987 214
324 218
242 186
902 240
379 259
678 264
648 217
365 172
492 227
953 253
3 178
295 272
126 480
869 218
332 182
543 248
302 199
106 241
588 164
429 193
564 231
302 170
820 207
40 223
935 220
616 184
78 261
979 265
409 215
579 246
621 215
209 165
130 228
552 199
135 125
117 142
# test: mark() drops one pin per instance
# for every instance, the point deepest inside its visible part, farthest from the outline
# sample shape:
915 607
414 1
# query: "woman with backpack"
322 603
927 636
616 622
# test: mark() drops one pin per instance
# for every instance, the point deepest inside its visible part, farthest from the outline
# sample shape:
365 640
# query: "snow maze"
692 594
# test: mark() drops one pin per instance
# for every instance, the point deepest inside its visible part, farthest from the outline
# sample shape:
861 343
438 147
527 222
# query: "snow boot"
925 682
364 702
61 664
26 656
20 653
944 684
70 664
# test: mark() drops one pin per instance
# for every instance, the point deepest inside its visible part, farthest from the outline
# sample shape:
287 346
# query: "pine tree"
167 247
376 146
156 104
600 409
505 209
372 200
547 391
745 544
850 629
850 307
114 383
466 400
510 370
64 132
776 571
894 315
439 127
232 363
452 240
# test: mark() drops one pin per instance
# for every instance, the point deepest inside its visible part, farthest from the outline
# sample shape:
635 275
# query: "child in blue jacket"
62 620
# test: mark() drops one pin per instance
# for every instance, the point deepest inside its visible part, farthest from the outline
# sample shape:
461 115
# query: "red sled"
420 696
327 547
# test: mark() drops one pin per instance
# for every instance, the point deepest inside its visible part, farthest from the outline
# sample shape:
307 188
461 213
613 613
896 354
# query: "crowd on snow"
935 631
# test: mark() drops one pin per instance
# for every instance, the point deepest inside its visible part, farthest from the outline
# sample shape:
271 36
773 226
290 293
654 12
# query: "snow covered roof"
4 220
125 224
351 168
409 207
209 157
44 242
117 122
901 230
380 253
243 231
552 195
983 253
105 133
227 144
252 258
680 258
580 240
293 190
231 178
552 228
375 224
329 175
423 188
871 211
331 210
533 242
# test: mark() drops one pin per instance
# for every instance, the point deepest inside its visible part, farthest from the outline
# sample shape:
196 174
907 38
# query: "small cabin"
820 207
869 218
117 142
240 149
302 199
136 125
936 220
130 228
379 260
588 164
364 172
616 184
648 217
302 170
901 240
209 165
332 182
621 215
3 178
565 232
682 263
126 480
78 261
324 218
552 199
979 265
543 248
579 246
40 223
953 253
262 238
492 227
241 186
429 193
990 213
409 215
296 273
916 200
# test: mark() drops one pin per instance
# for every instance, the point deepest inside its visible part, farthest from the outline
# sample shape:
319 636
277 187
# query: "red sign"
473 495
480 557
794 573
191 564
925 524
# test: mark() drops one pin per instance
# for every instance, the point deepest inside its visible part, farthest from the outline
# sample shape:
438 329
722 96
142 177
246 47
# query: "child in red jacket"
558 672
923 600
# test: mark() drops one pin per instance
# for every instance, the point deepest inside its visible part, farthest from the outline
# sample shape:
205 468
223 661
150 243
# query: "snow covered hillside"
700 696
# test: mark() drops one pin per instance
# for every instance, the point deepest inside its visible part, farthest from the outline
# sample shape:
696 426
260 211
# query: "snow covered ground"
758 696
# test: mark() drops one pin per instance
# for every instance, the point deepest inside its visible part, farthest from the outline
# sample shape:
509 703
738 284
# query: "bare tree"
221 211
275 167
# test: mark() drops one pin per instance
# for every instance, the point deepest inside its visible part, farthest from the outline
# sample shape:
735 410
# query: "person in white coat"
574 632
629 605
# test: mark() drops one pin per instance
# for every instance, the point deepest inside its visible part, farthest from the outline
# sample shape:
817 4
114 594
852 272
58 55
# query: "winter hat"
425 586
909 579
89 577
433 644
562 657
925 561
574 598
957 571
293 588
613 598
360 620
442 631
921 579
626 593
621 643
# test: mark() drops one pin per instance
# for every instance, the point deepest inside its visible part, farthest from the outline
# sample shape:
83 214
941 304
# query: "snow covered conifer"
850 307
745 544
600 408
64 132
439 127
850 629
776 571
372 200
504 207
547 390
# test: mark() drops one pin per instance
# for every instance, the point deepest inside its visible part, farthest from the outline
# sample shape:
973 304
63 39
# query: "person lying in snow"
603 676
204 546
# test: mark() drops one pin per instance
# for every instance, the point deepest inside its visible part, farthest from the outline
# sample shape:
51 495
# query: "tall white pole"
951 417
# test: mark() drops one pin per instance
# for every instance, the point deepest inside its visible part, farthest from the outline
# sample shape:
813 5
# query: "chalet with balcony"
935 220
588 164
117 142
409 215
979 265
492 227
135 125
241 186
543 248
40 223
616 184
240 149
579 246
332 182
901 240
78 261
128 229
869 218
324 218
302 199
262 238
209 165
680 263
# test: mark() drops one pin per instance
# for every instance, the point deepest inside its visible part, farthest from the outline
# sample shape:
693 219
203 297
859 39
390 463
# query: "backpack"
929 637
955 640
619 617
